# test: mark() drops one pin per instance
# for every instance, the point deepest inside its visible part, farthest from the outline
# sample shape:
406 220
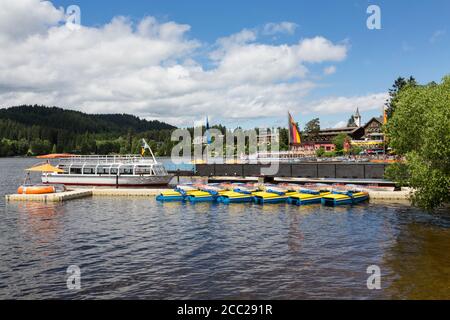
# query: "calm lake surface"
139 248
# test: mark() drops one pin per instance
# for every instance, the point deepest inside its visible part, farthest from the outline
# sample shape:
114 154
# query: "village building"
368 136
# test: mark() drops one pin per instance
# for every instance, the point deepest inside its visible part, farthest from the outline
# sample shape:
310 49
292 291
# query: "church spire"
357 117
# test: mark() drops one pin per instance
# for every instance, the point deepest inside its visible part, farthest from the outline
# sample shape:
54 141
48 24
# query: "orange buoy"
36 189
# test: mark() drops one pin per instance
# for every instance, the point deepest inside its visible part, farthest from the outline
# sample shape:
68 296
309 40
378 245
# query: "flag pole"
207 140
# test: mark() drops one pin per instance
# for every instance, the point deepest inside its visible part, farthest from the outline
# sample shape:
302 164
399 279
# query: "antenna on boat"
144 145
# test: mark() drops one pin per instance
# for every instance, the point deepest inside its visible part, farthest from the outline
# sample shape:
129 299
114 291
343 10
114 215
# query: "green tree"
355 150
320 152
351 122
419 129
312 128
399 84
339 141
284 139
39 147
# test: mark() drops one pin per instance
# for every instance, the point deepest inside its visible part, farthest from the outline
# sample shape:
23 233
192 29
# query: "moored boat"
307 197
263 197
200 196
106 170
344 197
170 195
234 197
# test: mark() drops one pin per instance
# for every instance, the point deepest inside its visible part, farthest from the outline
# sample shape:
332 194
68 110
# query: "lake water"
139 248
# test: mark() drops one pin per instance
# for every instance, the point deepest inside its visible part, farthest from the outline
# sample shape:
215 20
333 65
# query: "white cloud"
242 37
436 35
282 27
329 70
22 18
340 124
151 68
334 105
319 49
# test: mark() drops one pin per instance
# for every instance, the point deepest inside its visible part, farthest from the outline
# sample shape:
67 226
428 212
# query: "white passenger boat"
106 170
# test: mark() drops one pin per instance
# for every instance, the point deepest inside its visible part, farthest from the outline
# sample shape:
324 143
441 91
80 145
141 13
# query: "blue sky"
414 40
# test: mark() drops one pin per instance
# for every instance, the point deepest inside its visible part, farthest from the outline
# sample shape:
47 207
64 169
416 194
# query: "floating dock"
128 192
375 196
51 197
402 195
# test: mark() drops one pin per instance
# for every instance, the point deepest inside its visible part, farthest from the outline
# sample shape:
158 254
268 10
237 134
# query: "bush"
320 152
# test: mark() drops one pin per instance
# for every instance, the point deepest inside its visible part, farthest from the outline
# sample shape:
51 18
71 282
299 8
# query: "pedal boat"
170 195
214 189
200 196
246 189
234 197
272 196
303 197
178 194
344 197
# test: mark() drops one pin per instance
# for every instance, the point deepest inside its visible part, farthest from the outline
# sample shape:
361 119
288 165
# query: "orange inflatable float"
36 189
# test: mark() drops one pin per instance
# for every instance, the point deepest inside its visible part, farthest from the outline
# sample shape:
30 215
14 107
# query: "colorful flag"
144 146
294 132
384 116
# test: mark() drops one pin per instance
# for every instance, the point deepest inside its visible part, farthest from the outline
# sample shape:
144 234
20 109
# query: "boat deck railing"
107 159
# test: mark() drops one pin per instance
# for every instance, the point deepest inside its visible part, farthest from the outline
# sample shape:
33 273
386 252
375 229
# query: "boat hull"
170 196
194 199
339 198
264 200
106 180
227 199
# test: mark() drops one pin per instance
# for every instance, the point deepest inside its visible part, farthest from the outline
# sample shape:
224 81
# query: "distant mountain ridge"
79 122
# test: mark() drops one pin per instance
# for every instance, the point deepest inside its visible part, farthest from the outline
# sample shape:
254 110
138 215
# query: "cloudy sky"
242 63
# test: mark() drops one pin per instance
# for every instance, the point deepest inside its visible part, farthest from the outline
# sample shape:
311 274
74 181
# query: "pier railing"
107 159
337 170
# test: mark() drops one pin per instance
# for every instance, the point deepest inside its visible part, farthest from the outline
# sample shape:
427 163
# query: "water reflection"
295 236
40 222
419 262
140 248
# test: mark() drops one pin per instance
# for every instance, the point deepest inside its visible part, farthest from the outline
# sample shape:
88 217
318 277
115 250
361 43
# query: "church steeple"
357 118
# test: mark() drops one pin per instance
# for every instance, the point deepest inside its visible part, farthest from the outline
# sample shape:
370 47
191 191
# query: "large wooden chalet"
371 131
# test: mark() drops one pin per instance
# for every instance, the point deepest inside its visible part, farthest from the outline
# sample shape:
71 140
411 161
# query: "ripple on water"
139 248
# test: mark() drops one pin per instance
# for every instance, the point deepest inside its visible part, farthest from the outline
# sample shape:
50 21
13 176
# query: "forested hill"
34 130
79 122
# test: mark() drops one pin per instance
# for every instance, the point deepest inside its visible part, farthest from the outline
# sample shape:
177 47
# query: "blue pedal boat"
271 196
200 196
234 197
170 195
344 197
304 197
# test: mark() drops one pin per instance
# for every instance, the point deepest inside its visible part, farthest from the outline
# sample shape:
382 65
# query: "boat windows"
142 170
112 165
159 170
103 170
75 170
88 171
126 170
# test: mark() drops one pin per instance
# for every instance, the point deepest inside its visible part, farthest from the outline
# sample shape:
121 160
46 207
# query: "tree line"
37 130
